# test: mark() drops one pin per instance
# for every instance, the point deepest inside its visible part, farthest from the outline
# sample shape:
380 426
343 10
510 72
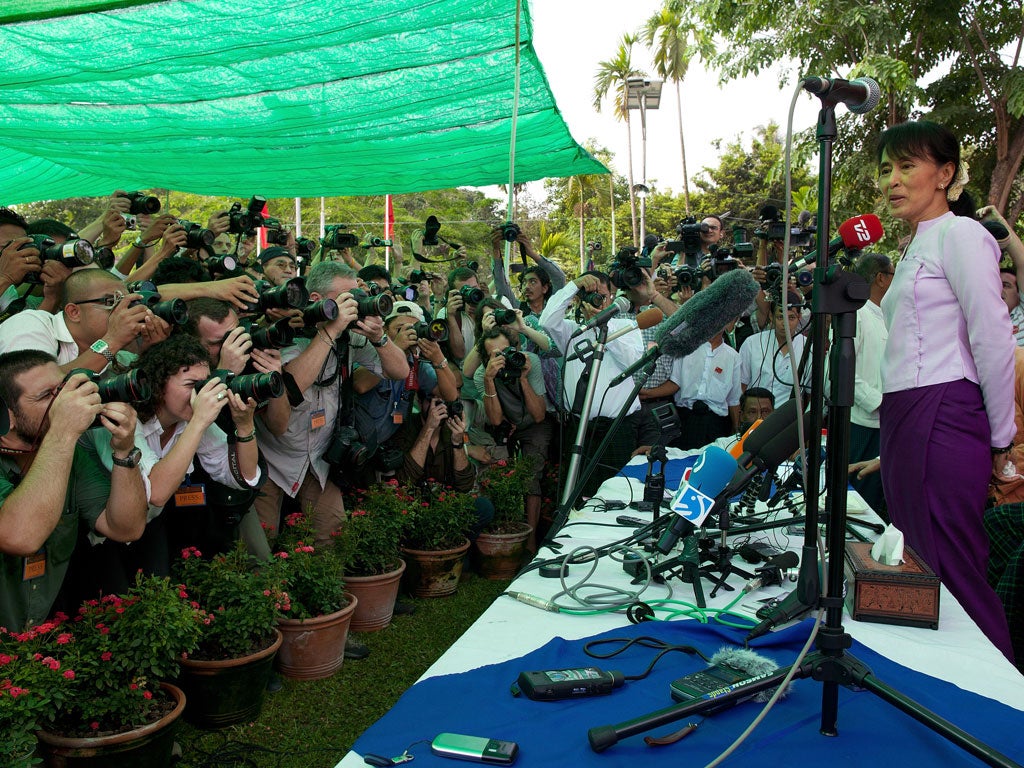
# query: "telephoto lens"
471 295
142 203
221 265
435 330
504 316
291 295
319 312
276 336
197 237
258 386
71 253
129 387
372 306
173 311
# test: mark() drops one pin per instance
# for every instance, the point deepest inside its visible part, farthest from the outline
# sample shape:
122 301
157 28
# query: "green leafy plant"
312 576
242 600
368 543
98 673
505 483
439 518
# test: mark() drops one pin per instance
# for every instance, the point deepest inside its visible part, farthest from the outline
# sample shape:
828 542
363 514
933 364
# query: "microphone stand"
654 483
839 294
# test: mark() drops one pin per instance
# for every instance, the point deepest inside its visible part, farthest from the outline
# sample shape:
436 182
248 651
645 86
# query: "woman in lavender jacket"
947 374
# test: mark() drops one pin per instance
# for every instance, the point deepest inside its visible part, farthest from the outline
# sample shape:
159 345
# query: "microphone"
646 319
774 571
694 500
737 450
620 304
854 234
790 608
860 95
700 318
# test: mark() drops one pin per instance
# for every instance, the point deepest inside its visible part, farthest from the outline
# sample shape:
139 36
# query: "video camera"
245 222
335 238
627 271
140 202
774 228
689 231
258 386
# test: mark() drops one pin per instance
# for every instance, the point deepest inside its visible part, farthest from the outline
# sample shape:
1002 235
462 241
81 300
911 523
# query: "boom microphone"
854 234
700 318
694 500
859 95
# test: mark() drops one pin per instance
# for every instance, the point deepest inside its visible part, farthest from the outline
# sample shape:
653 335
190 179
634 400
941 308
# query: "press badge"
190 496
317 419
35 565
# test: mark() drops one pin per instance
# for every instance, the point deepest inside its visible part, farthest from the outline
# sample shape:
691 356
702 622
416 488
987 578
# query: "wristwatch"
131 460
100 347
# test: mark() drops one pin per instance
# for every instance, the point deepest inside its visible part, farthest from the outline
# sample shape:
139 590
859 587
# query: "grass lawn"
312 724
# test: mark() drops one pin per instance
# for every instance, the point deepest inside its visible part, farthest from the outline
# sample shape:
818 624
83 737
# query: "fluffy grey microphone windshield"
707 313
753 664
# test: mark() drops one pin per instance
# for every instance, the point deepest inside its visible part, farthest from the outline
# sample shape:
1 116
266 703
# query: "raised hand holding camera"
119 420
77 404
236 350
18 259
208 402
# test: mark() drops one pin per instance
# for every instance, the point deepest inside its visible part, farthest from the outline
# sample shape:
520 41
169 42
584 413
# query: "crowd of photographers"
170 384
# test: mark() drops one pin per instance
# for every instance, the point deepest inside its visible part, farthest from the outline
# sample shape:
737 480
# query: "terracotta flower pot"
497 556
227 691
148 746
377 595
434 573
314 648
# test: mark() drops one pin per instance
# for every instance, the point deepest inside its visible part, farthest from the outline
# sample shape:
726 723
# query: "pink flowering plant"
439 517
368 543
505 483
311 575
97 673
241 600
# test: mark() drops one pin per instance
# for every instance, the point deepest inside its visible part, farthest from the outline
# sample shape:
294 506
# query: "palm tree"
581 191
611 79
668 32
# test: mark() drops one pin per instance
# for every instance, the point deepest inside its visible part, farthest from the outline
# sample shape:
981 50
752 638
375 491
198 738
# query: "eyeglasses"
107 302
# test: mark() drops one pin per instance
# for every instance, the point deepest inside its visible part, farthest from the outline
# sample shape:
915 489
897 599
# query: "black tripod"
838 294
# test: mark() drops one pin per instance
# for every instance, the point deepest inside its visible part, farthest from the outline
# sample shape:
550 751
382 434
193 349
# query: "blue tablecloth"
872 733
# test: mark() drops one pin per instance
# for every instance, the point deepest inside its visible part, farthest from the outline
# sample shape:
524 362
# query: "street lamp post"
643 94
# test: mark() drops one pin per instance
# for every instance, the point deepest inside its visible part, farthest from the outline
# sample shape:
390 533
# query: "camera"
689 231
275 336
130 222
741 247
593 298
140 202
504 316
335 239
129 387
472 295
319 312
509 231
407 292
723 262
772 275
258 386
244 222
174 311
515 361
276 235
305 247
627 271
435 330
419 275
474 265
103 257
197 237
594 245
377 242
774 228
139 286
372 306
219 266
455 408
348 449
688 276
291 295
71 253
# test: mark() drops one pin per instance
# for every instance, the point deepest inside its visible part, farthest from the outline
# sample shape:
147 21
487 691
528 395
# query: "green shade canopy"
281 98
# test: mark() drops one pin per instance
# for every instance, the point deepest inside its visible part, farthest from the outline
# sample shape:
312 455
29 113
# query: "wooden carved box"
907 594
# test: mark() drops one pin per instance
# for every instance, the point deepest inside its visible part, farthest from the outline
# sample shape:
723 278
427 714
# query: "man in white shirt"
869 346
708 399
765 358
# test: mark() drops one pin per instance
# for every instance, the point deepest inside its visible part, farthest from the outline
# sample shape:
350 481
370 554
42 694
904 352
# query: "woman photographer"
947 413
514 403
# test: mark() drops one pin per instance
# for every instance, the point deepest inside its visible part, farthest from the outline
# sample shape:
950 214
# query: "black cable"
644 641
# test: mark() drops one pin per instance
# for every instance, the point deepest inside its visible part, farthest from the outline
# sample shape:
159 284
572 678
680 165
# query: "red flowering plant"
504 483
311 575
99 672
368 543
241 599
438 518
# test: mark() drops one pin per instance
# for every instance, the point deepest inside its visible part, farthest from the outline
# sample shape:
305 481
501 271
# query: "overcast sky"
572 36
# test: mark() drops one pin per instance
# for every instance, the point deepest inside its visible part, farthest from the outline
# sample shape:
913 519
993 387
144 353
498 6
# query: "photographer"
18 257
548 275
460 311
711 229
513 397
764 357
49 485
98 321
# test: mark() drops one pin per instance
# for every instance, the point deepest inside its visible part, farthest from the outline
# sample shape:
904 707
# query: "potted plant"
91 687
315 619
434 537
224 679
499 548
368 545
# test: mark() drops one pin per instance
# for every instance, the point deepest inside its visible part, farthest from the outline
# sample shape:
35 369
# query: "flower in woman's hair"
957 187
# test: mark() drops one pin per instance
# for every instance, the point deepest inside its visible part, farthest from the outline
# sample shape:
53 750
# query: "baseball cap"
273 252
406 308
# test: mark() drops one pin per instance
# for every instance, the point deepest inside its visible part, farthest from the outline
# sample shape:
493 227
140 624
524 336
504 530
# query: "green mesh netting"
277 97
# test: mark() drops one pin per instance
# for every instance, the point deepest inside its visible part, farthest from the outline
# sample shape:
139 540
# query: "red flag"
263 230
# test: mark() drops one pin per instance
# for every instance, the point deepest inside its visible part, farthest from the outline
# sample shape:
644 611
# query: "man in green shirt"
48 484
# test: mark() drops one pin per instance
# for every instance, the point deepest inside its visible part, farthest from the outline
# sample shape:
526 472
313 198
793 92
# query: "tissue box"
907 594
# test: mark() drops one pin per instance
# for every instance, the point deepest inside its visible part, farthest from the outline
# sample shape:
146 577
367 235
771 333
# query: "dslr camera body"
627 271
